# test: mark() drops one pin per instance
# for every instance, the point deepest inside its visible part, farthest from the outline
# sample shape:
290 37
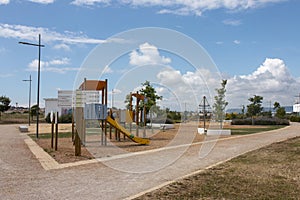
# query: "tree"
4 104
150 93
220 103
255 107
276 105
280 111
33 111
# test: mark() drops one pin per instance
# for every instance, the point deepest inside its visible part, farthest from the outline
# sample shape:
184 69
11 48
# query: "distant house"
66 99
296 108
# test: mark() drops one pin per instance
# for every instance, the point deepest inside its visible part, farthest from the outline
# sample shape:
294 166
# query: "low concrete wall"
163 126
214 131
218 132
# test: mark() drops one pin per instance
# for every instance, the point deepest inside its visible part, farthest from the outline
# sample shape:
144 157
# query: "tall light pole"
29 108
38 86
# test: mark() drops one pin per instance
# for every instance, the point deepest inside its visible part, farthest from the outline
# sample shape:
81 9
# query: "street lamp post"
38 86
29 108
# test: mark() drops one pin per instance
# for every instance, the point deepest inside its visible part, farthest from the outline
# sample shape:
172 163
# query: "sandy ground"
93 148
23 177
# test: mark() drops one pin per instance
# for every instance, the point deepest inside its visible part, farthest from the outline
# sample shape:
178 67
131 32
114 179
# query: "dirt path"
22 177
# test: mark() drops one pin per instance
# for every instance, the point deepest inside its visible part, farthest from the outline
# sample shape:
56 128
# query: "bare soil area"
66 151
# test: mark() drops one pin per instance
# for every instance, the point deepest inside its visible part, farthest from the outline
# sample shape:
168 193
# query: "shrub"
48 118
67 118
247 121
261 121
294 118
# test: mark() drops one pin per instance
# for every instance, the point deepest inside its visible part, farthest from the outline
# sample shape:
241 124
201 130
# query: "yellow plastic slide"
127 133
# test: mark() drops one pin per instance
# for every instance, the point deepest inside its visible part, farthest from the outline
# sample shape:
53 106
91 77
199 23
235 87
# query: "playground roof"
93 85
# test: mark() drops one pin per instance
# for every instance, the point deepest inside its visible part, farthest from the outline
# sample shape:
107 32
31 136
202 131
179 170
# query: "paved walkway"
22 176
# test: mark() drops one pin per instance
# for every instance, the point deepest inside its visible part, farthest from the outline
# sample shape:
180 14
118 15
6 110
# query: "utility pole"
298 102
29 106
39 45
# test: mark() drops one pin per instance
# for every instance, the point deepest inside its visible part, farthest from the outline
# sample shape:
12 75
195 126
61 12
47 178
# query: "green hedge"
261 121
294 118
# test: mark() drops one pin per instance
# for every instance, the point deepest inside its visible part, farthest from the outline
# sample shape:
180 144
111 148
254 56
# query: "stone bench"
214 131
23 129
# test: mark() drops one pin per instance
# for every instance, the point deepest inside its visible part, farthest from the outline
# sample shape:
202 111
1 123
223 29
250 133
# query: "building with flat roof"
67 99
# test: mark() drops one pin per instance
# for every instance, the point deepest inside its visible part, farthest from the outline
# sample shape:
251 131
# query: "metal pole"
29 108
29 100
38 90
204 113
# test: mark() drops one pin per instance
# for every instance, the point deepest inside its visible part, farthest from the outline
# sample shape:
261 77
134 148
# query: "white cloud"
186 88
232 22
107 70
43 1
62 46
219 42
30 33
197 7
271 80
56 66
183 7
4 2
89 2
147 54
237 42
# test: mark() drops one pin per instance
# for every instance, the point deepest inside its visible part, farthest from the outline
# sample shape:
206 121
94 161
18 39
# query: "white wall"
296 108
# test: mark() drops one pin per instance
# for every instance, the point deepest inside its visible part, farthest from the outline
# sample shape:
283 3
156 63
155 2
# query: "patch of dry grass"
272 172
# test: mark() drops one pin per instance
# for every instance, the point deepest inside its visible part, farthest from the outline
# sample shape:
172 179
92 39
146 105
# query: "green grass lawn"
48 135
245 131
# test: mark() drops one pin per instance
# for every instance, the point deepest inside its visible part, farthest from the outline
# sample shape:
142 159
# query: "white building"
296 108
66 100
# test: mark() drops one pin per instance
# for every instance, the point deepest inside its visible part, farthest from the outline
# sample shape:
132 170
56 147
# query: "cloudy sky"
254 44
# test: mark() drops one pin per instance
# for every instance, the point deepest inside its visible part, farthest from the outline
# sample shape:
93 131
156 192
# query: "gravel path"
23 177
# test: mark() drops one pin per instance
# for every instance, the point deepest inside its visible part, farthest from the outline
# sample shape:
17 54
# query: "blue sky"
254 44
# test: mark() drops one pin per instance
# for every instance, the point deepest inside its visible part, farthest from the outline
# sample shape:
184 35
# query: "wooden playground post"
73 125
77 143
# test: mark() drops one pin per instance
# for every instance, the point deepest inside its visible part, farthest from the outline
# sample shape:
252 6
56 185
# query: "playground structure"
99 111
136 117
